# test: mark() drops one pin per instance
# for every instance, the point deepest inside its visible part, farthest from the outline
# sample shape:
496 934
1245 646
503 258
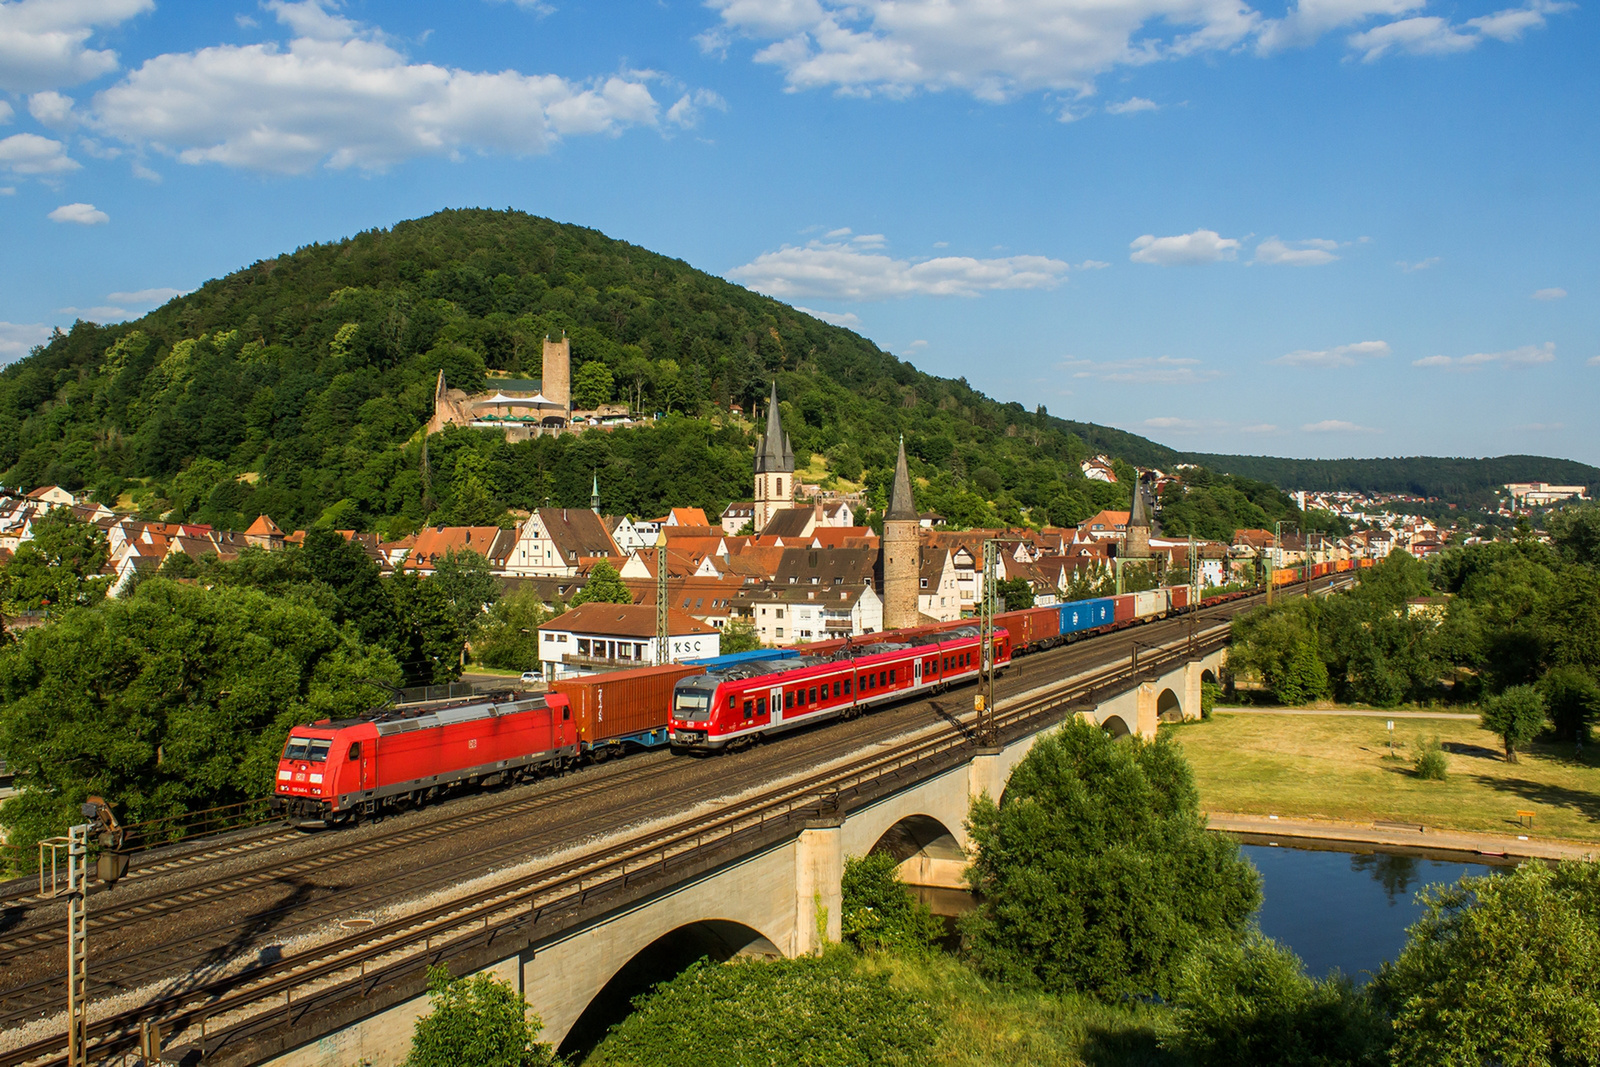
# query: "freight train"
336 771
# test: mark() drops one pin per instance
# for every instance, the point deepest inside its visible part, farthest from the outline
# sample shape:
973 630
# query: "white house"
597 637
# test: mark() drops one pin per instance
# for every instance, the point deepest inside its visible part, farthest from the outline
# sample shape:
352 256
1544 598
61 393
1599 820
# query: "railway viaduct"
781 899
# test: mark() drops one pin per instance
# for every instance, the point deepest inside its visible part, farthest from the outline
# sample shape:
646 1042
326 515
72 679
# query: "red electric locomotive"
750 700
339 770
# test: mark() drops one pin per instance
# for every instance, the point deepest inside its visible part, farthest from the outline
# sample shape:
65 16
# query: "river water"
1342 909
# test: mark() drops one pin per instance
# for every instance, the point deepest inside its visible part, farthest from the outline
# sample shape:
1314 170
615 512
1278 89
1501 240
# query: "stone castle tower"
774 467
902 551
1136 540
556 377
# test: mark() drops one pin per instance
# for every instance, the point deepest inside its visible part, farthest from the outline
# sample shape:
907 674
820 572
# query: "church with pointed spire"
775 482
902 551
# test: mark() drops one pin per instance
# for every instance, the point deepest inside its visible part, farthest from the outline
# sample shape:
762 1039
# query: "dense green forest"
1466 481
299 386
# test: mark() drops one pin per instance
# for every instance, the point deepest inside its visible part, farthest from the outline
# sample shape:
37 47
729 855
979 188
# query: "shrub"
1250 1004
880 912
1431 762
476 1022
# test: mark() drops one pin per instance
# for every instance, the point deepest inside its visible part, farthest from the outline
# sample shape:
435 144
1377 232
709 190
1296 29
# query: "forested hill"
298 387
1454 479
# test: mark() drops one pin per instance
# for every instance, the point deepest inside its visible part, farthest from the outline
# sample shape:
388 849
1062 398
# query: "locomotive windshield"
313 749
691 698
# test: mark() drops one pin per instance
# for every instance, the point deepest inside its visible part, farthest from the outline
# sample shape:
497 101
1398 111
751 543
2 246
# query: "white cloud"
16 339
8 190
81 214
102 314
916 346
1593 361
1340 356
5 112
992 49
1549 294
537 7
690 107
1161 370
1421 264
340 95
52 109
1430 35
1259 427
28 153
836 318
1201 246
1310 253
146 297
1522 356
1176 425
1336 426
1131 105
1310 19
846 270
1092 264
43 43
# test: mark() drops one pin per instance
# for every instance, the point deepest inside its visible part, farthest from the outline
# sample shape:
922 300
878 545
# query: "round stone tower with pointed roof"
774 467
1136 540
902 551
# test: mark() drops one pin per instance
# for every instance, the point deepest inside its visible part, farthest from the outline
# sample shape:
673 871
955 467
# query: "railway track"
215 982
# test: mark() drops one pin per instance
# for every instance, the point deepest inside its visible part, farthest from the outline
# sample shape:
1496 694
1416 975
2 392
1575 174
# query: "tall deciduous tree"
508 637
477 1022
1096 871
468 581
1517 715
59 567
605 586
1501 969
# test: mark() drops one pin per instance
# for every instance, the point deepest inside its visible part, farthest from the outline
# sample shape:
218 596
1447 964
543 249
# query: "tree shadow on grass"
1456 748
1127 1046
1583 801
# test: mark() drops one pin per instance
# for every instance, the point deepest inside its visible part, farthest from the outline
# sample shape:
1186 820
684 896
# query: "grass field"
1337 767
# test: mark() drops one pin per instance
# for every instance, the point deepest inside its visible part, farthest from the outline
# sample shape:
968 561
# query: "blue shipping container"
717 663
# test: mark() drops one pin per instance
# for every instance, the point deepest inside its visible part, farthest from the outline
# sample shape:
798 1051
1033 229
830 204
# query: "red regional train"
759 698
339 771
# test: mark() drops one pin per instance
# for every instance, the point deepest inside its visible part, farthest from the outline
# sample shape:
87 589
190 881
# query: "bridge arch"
1115 725
1208 675
664 958
1168 707
918 835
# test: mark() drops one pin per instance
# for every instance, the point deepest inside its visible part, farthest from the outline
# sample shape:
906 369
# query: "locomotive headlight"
316 779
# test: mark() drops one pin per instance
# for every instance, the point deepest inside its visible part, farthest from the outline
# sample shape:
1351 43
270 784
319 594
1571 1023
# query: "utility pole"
984 702
663 638
72 852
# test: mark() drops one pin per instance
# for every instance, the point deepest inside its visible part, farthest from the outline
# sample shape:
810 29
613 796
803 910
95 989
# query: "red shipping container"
1122 608
622 703
1180 597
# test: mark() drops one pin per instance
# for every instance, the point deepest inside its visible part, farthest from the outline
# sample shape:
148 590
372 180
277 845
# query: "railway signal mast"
663 639
72 853
987 733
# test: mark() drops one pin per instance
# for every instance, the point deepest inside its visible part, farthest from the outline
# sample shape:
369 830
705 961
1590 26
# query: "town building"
774 466
902 548
596 637
553 541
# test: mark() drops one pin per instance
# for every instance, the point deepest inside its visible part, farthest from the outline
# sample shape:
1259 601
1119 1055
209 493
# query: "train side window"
566 714
837 688
788 699
747 709
891 677
355 750
847 682
761 705
814 693
731 699
883 678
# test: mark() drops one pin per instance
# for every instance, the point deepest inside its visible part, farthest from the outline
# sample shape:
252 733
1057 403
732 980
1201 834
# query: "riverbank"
1427 840
1336 771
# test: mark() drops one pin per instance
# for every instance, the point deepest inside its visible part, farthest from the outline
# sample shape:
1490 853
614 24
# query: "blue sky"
1345 227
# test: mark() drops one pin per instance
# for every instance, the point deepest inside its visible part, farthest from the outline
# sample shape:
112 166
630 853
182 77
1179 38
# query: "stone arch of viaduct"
783 901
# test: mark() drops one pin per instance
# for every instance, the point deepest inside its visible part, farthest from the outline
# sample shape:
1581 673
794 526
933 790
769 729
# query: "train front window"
296 748
317 752
692 706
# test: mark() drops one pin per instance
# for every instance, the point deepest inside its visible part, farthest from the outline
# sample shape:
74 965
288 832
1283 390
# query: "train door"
916 671
361 755
775 698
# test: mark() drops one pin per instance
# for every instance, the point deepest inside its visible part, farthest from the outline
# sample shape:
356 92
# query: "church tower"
1136 539
774 467
902 551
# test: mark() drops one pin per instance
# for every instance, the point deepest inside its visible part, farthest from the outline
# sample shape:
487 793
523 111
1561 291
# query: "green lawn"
1334 767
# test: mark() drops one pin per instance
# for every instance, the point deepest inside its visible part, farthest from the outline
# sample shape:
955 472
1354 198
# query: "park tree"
59 568
1575 532
428 637
604 586
1501 969
173 699
508 635
1096 872
1516 715
477 1022
1249 1003
1016 592
469 584
1572 700
359 596
740 636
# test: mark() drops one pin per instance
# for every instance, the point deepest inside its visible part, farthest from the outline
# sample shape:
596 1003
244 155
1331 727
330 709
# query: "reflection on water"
1343 910
1397 874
